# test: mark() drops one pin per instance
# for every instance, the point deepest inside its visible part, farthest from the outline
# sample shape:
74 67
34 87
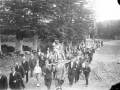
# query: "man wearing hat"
78 68
32 64
26 67
86 72
20 69
42 61
15 80
47 71
71 70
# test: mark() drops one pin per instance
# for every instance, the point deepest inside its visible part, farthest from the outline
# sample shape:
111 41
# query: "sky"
107 10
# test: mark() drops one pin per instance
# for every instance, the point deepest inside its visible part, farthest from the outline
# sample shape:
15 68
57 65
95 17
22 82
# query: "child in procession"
37 71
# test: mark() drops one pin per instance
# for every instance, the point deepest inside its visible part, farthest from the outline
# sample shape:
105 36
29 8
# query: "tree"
24 17
108 29
47 19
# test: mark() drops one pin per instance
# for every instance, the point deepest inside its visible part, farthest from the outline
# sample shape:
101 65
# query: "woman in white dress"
37 71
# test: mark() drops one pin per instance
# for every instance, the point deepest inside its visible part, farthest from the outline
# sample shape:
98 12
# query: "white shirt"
71 64
23 61
37 69
77 62
83 65
13 73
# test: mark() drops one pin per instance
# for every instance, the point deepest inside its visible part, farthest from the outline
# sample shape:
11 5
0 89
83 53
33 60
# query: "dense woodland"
46 20
109 29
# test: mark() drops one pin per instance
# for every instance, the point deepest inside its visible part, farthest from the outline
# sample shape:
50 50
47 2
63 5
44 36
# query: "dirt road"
105 71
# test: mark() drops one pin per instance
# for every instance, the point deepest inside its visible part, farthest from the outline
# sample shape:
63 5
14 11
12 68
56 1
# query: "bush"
6 48
26 48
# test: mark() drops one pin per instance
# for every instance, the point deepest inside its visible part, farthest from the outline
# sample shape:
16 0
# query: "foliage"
109 29
50 19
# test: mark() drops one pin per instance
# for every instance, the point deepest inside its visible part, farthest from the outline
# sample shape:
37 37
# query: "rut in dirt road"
105 69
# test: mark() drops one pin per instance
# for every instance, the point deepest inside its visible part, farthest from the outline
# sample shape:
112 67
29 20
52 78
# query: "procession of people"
56 65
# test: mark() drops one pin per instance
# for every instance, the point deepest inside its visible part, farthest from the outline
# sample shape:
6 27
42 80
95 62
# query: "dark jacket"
41 61
21 70
71 70
3 83
26 66
47 72
86 70
19 82
79 66
32 63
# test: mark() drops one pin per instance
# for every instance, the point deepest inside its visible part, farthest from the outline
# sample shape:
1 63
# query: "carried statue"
58 50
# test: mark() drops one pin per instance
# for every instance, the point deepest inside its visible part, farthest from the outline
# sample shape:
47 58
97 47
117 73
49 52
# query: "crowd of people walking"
56 65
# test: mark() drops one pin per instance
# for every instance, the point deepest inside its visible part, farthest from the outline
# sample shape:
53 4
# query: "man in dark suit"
15 80
20 69
90 54
71 71
3 81
32 63
47 71
78 69
41 61
26 67
86 72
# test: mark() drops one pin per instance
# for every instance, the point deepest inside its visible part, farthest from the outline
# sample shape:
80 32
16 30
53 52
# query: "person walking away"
3 81
15 80
47 71
37 71
60 72
26 67
20 69
86 72
32 64
71 71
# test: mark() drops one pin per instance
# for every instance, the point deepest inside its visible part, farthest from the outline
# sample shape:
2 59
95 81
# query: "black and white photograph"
59 44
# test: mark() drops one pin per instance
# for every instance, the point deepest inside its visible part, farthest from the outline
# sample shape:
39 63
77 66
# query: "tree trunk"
0 44
19 41
35 42
19 45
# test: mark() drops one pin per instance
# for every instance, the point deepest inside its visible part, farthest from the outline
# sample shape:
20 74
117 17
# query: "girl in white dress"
37 71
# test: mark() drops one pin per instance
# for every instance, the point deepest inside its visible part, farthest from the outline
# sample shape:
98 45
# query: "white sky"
107 10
